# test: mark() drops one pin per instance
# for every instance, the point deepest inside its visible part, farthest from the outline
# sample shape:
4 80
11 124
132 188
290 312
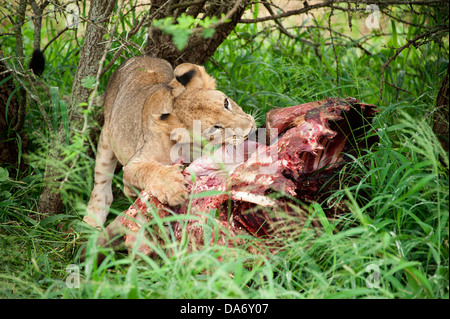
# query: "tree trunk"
440 118
9 120
198 49
92 51
50 201
12 119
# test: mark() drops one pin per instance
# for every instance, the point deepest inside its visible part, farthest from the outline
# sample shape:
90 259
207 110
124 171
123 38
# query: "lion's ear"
166 122
193 76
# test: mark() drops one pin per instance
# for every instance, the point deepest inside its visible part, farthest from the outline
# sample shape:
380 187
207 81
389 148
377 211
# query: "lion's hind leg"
101 196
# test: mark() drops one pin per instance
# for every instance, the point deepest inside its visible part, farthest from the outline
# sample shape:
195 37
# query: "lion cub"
146 102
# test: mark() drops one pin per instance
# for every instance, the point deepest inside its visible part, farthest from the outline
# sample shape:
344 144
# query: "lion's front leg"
165 182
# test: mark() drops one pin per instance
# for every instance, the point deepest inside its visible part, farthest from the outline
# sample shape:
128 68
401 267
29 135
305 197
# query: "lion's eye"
226 104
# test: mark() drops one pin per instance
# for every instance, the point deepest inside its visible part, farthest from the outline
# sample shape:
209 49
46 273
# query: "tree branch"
54 38
437 31
329 3
288 13
130 33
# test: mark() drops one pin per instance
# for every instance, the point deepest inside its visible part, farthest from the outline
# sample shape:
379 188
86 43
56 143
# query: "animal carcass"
255 187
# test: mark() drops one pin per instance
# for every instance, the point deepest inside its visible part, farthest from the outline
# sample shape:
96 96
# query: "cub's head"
199 107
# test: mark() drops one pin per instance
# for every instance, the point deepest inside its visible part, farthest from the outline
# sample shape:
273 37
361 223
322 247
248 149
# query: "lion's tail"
37 63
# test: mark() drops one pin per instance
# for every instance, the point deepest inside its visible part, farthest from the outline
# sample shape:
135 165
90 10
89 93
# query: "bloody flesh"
259 186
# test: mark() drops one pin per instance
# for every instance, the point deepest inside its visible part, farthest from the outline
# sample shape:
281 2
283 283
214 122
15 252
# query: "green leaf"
416 188
207 229
53 219
131 283
4 175
208 33
5 79
400 78
180 38
394 40
417 279
185 21
183 28
323 219
88 82
5 194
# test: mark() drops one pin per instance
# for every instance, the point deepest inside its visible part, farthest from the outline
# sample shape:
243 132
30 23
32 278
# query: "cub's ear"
166 122
194 76
186 78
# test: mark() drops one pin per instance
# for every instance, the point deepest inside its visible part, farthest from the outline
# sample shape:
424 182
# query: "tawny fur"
135 134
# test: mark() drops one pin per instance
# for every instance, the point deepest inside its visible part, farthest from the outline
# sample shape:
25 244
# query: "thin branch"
397 89
197 30
288 13
329 3
277 21
229 14
267 3
157 11
402 21
334 51
132 32
184 5
349 14
56 37
437 31
133 9
355 43
283 30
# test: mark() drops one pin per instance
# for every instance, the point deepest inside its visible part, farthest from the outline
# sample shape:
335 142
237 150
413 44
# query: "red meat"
256 186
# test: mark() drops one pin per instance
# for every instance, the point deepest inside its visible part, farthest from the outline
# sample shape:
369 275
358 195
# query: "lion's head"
197 105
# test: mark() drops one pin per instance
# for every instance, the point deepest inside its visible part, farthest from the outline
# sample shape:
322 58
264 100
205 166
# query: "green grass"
396 225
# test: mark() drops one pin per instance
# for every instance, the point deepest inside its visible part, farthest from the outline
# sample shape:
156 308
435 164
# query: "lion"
146 100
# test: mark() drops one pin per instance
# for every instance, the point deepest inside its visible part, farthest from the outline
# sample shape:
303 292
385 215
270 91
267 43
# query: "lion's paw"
170 187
